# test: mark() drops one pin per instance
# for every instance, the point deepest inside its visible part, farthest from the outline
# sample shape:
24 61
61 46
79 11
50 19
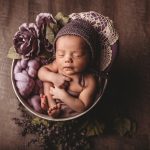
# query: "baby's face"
71 54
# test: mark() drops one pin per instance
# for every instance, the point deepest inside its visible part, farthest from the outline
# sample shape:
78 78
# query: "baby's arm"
50 77
52 107
84 100
49 73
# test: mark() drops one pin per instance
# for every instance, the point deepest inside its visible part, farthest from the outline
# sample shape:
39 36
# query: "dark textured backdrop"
128 92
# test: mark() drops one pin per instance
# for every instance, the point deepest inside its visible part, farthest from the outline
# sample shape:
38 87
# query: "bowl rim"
46 116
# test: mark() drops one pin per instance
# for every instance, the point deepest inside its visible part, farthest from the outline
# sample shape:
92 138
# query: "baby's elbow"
82 108
40 73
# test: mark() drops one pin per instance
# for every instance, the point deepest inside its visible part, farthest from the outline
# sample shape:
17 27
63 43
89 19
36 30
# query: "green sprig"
12 54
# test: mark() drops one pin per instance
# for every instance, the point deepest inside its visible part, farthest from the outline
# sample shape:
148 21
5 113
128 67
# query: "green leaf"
99 127
55 28
49 34
94 128
12 54
44 122
36 121
90 131
122 126
133 128
61 18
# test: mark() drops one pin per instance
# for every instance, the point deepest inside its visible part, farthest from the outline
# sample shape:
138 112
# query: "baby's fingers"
51 90
58 105
54 96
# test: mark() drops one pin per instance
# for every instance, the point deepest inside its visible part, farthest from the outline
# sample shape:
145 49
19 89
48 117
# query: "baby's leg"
52 107
44 103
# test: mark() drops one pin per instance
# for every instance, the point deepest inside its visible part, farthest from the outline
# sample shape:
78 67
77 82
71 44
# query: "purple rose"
26 40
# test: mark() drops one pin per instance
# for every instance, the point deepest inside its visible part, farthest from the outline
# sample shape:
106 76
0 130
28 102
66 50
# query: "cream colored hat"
108 35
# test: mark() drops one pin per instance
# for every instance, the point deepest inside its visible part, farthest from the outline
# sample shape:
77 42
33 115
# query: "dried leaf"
12 54
84 125
99 127
95 128
122 126
133 128
90 131
56 28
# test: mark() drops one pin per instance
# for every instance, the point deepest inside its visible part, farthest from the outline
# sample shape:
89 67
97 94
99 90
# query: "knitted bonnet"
98 32
84 30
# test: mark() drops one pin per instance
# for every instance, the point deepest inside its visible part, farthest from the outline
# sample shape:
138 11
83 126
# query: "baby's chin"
68 72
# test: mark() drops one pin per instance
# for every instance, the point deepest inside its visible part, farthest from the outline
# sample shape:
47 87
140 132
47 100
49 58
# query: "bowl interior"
100 92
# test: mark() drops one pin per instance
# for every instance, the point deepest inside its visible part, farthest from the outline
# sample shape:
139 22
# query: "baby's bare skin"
48 103
70 64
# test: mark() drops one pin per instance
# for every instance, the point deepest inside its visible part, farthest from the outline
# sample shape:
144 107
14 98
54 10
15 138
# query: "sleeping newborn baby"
68 80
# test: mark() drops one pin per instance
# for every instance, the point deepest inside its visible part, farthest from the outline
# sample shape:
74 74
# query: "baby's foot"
55 110
44 104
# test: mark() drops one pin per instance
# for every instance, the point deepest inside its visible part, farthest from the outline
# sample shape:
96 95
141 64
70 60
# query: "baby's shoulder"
52 66
89 76
89 79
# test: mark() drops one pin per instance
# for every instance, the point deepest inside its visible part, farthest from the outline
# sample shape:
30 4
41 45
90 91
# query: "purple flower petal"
44 18
26 39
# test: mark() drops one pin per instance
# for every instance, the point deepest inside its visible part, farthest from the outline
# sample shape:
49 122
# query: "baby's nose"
68 59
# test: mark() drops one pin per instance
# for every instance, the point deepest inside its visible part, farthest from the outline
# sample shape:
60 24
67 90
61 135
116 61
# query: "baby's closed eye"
61 54
77 54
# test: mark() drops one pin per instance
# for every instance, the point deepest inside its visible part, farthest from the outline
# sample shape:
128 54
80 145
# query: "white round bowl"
103 85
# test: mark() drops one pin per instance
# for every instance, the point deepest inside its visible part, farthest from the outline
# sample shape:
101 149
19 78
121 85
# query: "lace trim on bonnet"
108 35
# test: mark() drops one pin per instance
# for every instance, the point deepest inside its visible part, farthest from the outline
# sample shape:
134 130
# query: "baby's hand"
61 81
57 93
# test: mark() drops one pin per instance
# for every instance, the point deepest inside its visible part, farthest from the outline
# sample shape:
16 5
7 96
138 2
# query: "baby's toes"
54 112
49 112
44 102
51 109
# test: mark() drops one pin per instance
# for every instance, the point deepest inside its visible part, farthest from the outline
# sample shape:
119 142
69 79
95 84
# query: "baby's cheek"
82 64
59 62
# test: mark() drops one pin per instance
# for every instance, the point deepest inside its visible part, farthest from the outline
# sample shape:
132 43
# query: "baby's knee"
46 86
